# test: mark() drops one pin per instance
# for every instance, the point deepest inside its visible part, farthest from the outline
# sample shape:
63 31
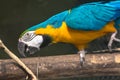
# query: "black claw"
82 61
110 49
110 52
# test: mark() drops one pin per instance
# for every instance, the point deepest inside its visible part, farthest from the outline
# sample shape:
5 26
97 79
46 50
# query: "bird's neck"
54 33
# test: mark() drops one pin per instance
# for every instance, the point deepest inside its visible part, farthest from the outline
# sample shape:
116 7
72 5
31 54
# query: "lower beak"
24 49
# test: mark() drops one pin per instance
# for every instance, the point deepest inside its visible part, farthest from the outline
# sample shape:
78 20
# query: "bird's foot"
113 38
82 61
82 57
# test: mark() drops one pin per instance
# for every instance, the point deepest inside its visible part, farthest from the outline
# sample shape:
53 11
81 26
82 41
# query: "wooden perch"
19 62
63 66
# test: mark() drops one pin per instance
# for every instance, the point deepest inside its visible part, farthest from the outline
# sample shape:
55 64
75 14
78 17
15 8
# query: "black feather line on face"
46 41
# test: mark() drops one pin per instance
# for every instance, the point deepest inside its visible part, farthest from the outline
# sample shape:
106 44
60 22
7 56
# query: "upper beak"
24 49
21 48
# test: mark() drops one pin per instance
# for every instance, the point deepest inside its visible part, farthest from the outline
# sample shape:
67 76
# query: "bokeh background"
18 15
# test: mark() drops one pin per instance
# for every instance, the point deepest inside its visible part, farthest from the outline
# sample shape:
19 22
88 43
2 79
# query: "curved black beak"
21 48
24 49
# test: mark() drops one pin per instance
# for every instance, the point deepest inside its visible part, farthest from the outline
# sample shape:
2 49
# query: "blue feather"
117 23
93 16
55 21
89 16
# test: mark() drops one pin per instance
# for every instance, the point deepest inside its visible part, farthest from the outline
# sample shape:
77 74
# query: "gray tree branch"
19 62
63 66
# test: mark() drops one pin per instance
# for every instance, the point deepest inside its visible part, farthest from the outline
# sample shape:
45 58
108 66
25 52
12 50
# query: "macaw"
78 26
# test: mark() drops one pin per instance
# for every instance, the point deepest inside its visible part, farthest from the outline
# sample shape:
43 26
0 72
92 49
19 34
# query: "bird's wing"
93 16
55 21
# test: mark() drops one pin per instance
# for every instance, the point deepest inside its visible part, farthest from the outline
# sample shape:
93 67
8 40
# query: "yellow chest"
77 37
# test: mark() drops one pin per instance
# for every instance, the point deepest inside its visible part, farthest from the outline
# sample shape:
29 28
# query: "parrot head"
29 42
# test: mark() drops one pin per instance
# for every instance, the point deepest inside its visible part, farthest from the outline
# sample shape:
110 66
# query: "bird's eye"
26 37
27 34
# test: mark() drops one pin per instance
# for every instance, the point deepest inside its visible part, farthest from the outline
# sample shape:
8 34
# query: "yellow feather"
79 38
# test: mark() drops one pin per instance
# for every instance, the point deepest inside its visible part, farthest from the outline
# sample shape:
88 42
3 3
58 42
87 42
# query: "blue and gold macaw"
78 26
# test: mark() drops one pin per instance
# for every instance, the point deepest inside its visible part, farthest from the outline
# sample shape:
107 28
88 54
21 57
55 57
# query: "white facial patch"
31 39
35 42
29 43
